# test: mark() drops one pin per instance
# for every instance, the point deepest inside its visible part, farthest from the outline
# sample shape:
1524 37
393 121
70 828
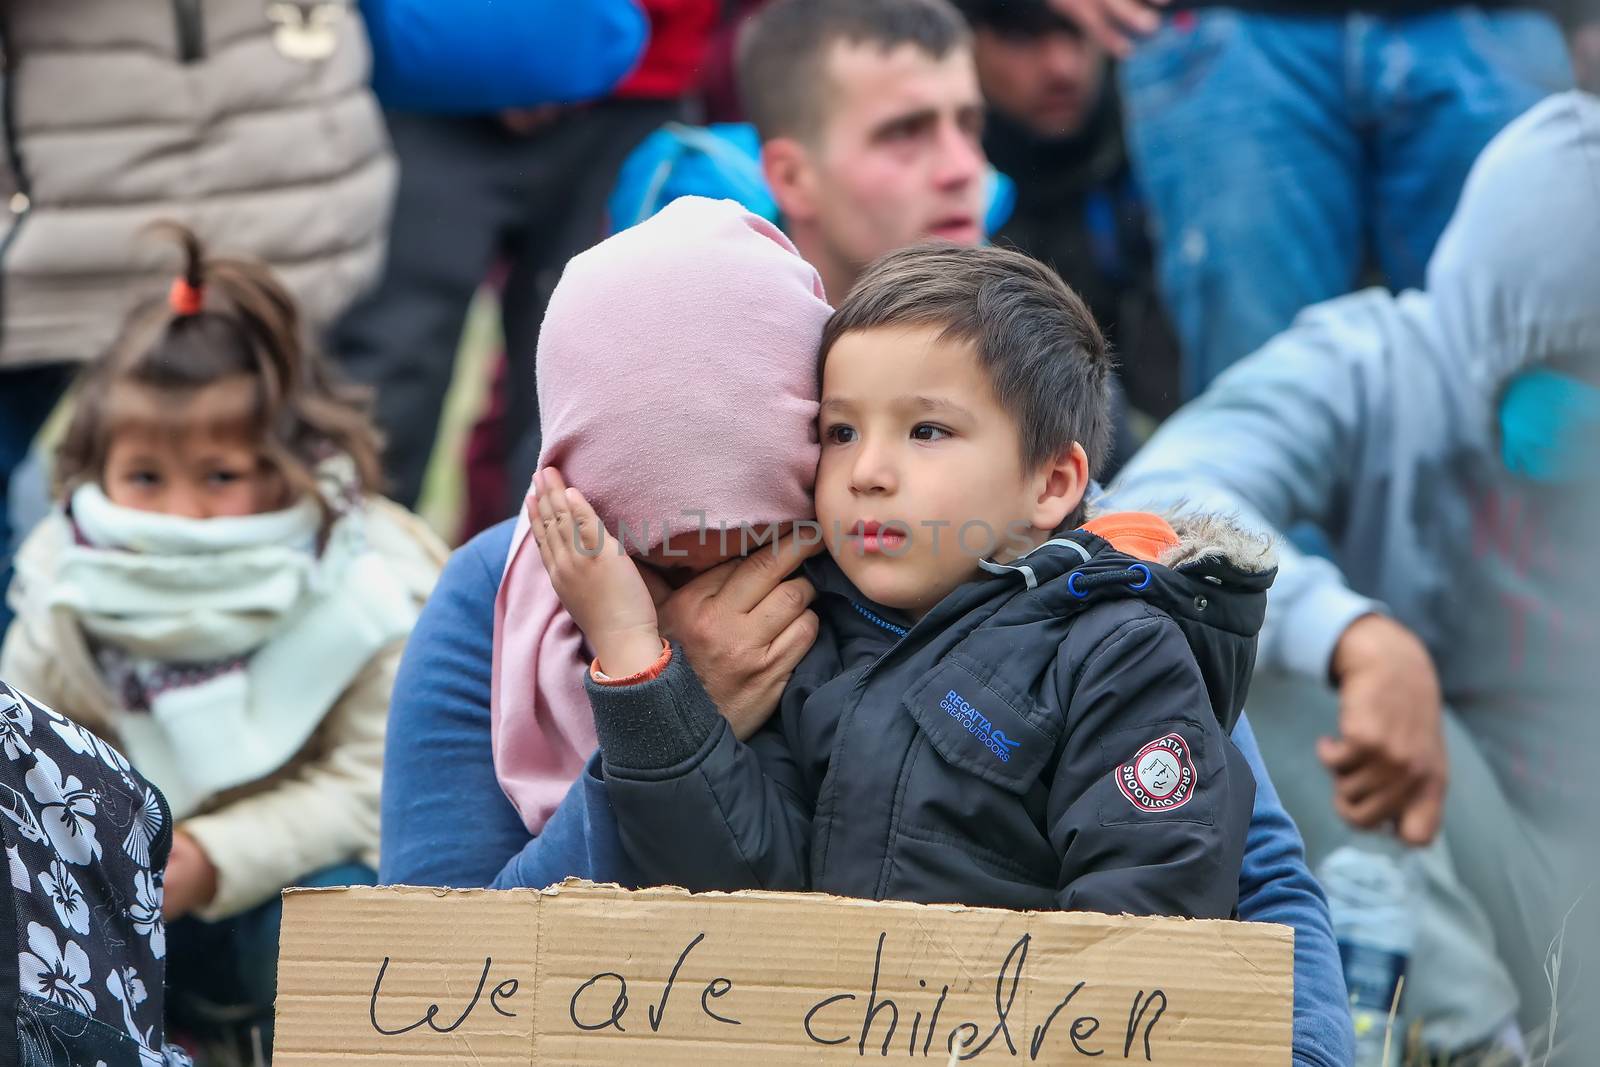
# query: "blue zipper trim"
872 616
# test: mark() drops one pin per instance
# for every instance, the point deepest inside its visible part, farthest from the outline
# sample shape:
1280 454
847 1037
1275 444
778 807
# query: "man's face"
898 157
1048 82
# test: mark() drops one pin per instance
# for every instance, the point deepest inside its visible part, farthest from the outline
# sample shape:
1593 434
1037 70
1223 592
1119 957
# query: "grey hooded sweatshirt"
1374 417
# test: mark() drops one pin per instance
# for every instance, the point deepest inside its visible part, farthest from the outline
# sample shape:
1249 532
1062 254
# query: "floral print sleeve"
86 841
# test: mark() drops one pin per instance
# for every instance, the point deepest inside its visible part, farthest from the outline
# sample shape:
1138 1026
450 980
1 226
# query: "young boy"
1003 706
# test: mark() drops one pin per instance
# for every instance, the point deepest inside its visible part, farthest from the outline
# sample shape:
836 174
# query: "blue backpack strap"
722 162
999 201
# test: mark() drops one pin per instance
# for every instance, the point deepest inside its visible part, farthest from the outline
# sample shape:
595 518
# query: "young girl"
221 593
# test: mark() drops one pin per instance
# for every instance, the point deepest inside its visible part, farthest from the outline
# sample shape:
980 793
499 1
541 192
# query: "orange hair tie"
185 298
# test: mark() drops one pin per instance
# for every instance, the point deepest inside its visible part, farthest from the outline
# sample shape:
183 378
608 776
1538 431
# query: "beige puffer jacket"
248 120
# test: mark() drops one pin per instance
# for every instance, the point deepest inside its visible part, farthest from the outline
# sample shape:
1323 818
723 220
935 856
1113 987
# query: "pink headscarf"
676 373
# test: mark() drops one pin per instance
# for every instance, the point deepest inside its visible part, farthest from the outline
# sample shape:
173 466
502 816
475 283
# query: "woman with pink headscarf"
678 388
677 381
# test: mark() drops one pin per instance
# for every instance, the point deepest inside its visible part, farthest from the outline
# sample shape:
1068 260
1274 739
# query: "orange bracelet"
650 672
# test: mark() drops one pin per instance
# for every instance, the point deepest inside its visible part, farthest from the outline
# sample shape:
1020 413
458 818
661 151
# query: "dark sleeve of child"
1151 801
696 806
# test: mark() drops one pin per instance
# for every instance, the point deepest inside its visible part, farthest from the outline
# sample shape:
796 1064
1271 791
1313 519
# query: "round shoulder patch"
1160 776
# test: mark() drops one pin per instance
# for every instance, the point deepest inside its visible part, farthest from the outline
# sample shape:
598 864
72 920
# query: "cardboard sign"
585 974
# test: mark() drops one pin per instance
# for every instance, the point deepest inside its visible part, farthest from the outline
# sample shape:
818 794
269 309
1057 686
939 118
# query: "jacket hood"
1213 583
1512 279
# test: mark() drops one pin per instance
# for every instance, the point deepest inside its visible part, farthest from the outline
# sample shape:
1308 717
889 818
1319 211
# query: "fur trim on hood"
1205 535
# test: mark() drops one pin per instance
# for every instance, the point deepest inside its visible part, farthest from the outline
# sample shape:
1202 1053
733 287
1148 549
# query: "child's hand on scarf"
599 585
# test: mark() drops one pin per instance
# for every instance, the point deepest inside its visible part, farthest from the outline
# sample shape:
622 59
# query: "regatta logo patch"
1160 777
960 709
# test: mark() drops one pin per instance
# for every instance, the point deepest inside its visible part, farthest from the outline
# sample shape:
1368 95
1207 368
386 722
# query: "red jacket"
680 34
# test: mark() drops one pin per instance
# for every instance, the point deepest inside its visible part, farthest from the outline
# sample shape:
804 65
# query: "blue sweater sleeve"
446 821
476 56
1276 886
581 840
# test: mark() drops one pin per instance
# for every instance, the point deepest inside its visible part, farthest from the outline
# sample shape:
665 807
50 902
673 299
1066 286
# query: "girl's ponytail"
221 319
187 295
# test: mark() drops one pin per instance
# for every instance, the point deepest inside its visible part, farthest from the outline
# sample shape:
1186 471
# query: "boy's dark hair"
244 325
1046 359
781 61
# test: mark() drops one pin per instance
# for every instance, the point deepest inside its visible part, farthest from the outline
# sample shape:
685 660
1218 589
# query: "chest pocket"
973 727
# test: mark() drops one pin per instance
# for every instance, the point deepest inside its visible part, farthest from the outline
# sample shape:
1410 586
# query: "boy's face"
914 440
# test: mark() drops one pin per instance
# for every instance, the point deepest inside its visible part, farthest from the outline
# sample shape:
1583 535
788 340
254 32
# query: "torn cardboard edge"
580 973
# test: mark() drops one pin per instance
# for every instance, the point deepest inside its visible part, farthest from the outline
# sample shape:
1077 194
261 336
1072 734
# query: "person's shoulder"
471 576
487 550
407 544
1124 626
38 557
450 649
48 538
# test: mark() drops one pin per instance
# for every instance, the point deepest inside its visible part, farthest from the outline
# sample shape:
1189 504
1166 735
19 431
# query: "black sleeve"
1151 802
696 807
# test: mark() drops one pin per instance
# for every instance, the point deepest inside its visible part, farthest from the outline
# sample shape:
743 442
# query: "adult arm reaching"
1277 441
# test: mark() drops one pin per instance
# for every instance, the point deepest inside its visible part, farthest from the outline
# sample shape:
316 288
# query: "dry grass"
443 496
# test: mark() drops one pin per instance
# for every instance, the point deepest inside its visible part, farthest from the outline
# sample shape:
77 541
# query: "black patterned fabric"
82 945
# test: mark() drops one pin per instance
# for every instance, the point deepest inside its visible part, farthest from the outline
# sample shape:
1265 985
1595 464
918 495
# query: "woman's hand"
598 583
745 625
191 880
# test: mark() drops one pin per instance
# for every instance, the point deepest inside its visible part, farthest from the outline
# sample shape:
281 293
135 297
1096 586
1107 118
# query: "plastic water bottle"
1370 897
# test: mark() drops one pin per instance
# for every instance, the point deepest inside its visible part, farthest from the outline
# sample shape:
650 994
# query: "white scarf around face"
193 591
239 632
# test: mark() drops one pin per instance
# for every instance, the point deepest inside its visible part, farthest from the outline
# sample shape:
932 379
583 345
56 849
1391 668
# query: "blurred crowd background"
418 172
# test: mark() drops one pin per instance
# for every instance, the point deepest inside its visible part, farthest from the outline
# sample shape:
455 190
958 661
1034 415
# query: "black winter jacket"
1053 734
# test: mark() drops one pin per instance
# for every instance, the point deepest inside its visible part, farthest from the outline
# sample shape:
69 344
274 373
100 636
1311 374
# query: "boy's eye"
927 431
224 477
839 434
143 479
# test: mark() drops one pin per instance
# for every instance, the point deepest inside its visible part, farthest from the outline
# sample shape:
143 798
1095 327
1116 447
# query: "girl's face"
194 472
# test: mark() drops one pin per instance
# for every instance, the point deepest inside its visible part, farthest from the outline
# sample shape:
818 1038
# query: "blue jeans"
1280 155
27 396
226 973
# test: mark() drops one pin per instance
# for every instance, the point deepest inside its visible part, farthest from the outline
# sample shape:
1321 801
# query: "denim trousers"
1284 158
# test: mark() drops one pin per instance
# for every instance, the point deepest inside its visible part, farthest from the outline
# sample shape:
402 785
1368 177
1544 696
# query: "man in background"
871 121
871 118
1055 128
